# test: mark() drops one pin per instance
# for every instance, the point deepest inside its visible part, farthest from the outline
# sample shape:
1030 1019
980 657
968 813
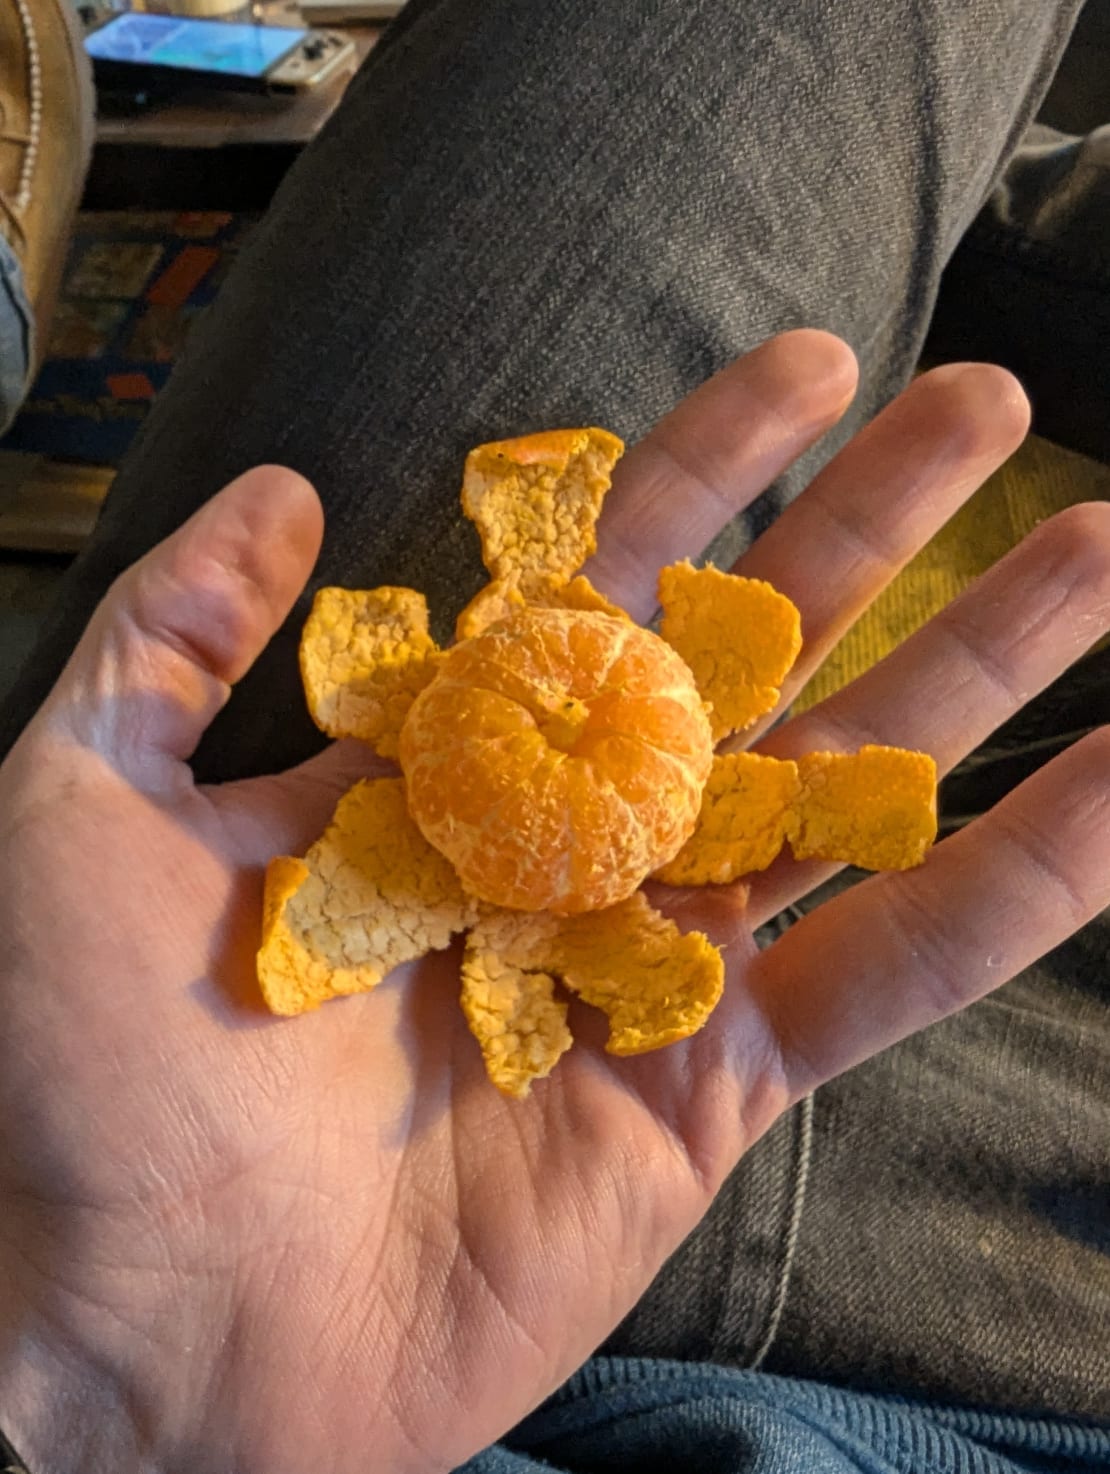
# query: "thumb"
175 631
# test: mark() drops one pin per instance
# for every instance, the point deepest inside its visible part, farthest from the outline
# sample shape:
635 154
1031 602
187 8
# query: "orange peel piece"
370 894
875 808
581 594
499 600
535 502
739 636
513 1012
655 984
742 823
366 654
502 598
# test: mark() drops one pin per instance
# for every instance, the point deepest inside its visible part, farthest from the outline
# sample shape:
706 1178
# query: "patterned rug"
134 286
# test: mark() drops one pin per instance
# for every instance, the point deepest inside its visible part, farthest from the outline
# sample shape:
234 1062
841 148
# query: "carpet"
133 288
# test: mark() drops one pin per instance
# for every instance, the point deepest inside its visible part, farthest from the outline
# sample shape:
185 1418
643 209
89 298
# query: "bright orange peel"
739 636
654 983
510 1003
580 594
365 654
535 501
742 823
370 894
502 598
556 756
875 808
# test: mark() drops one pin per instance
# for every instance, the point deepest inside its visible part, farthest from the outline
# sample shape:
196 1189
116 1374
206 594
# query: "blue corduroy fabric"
647 1417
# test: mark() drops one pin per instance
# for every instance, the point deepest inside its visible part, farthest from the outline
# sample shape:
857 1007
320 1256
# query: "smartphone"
150 52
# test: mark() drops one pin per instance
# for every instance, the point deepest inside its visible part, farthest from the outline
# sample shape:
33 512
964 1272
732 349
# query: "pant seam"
793 1232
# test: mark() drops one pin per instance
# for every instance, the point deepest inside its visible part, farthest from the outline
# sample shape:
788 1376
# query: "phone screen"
195 45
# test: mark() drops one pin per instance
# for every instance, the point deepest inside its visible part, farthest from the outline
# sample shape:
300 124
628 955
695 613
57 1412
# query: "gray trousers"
536 212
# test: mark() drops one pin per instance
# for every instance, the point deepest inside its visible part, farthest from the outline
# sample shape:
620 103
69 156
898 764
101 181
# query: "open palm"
229 1242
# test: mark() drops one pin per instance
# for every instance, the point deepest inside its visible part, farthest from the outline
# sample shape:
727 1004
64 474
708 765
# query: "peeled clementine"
557 759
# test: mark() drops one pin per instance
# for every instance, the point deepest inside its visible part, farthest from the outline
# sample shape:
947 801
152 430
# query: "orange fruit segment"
557 759
364 656
739 636
875 808
742 823
370 894
655 984
535 501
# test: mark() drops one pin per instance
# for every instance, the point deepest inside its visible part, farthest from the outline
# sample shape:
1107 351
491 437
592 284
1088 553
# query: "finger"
715 453
900 951
883 497
966 671
179 628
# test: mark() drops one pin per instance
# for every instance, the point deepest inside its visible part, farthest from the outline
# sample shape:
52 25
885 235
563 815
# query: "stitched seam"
793 1232
34 73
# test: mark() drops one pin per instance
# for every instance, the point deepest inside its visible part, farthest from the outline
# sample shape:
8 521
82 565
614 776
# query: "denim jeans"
537 212
16 336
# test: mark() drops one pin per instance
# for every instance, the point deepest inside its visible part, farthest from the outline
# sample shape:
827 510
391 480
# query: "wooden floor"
48 506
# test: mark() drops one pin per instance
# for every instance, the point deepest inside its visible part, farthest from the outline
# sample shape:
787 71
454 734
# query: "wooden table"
206 149
212 149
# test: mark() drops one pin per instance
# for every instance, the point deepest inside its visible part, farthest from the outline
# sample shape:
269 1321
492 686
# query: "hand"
229 1242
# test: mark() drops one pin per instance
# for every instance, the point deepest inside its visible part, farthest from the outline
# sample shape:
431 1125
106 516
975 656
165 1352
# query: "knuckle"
929 948
188 604
982 657
1042 855
1089 757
